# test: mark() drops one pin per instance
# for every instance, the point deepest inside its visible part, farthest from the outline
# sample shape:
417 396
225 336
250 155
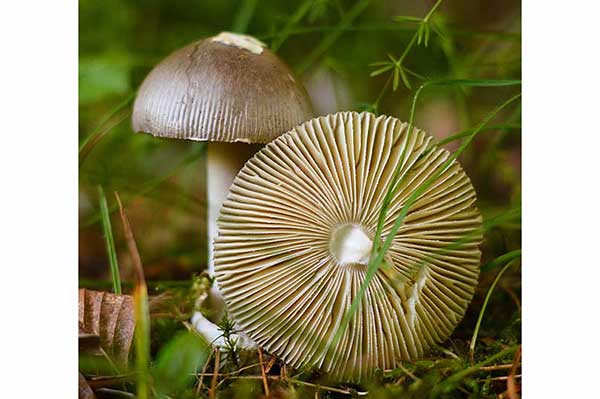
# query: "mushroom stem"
224 160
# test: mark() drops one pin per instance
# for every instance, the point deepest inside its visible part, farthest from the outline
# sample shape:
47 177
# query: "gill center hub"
350 244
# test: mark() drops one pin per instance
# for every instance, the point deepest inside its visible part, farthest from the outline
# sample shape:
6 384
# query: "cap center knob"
350 244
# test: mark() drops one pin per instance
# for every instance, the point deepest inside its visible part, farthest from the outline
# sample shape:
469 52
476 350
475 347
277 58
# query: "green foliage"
101 77
110 242
178 361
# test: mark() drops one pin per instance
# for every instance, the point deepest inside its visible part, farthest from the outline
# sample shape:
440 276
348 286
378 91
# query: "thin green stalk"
106 118
99 132
151 185
413 40
291 24
395 182
142 341
398 71
465 133
500 260
433 9
484 306
409 47
110 242
375 105
346 21
488 157
382 27
244 15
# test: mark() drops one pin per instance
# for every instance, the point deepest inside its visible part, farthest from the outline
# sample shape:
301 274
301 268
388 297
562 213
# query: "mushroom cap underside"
295 236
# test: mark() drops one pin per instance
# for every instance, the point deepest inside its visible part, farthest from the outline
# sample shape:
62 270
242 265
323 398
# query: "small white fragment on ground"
214 335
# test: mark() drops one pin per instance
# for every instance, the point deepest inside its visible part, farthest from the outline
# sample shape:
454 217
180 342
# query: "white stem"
224 160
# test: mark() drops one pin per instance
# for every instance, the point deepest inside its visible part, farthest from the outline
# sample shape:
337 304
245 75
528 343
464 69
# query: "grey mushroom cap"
295 238
225 88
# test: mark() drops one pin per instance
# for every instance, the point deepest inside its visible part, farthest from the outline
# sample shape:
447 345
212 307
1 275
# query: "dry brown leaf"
85 391
110 317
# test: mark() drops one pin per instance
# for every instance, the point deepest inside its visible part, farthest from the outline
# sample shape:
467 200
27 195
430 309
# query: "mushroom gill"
295 236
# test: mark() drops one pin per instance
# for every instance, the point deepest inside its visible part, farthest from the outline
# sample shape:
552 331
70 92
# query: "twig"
501 378
105 381
408 372
326 388
142 314
213 383
497 367
270 364
232 373
115 393
298 382
449 353
262 371
203 373
511 385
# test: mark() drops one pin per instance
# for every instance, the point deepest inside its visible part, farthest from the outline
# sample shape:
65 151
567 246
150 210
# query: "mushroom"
230 91
295 236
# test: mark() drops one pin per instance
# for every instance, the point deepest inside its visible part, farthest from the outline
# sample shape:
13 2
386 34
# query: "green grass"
110 242
483 307
332 36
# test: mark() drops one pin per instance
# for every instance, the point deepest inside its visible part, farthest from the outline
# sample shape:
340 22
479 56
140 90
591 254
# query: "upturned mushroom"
295 238
230 91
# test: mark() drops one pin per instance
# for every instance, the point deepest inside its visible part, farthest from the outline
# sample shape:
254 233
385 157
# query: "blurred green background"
161 181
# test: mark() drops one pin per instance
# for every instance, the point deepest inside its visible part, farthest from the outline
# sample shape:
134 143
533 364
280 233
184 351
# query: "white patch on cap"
245 42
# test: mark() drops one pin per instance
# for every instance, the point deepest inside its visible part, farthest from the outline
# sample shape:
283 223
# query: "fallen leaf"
85 391
110 317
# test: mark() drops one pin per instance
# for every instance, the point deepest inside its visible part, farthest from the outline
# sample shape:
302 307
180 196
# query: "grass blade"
110 242
142 313
483 307
101 130
402 18
500 260
450 383
346 21
381 70
243 16
196 153
466 133
291 24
